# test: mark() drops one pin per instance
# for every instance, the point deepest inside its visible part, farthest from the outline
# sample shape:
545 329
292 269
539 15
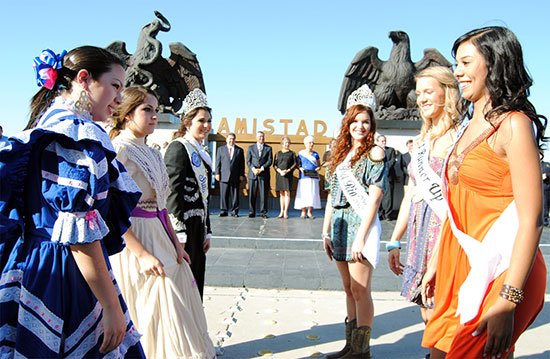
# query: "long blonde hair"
452 105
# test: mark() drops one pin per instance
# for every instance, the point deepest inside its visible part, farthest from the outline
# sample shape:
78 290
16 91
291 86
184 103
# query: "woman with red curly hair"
351 229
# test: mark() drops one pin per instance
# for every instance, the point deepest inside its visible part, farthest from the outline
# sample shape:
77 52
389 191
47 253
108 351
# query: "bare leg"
309 214
437 354
350 302
287 203
303 215
282 202
361 273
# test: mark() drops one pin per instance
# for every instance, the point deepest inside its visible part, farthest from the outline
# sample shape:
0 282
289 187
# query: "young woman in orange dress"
489 280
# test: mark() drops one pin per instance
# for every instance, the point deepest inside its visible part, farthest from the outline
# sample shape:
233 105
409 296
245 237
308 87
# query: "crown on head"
194 99
362 96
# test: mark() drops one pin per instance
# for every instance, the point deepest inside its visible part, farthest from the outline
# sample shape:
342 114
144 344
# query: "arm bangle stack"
393 245
512 294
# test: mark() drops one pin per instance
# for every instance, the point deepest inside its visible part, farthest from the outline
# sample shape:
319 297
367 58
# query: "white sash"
359 200
199 169
488 259
309 157
427 180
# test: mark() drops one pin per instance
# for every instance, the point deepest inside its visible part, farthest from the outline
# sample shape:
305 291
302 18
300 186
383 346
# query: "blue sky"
260 59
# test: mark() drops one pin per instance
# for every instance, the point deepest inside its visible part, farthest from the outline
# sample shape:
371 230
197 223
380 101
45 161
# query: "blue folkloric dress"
60 185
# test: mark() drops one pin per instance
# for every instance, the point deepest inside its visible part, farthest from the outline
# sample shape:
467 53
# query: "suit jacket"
545 168
391 158
254 160
404 161
230 169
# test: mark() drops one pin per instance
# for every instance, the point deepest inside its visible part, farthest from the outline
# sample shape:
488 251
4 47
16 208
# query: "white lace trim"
151 164
197 212
36 305
192 198
64 181
79 227
178 225
98 169
126 183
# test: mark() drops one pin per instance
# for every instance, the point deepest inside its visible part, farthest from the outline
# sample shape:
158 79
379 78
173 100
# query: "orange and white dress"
478 194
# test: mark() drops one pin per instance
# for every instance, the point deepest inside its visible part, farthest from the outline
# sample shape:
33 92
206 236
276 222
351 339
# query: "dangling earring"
83 103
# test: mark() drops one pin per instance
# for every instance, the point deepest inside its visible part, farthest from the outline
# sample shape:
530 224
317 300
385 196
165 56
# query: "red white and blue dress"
60 184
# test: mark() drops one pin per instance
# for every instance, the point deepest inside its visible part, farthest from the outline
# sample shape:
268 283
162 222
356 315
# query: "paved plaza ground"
271 291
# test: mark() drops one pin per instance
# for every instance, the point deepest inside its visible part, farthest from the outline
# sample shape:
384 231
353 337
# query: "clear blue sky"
263 59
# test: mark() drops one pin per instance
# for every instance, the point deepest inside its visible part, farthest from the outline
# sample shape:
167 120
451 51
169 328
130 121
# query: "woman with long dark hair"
490 277
64 206
189 169
351 228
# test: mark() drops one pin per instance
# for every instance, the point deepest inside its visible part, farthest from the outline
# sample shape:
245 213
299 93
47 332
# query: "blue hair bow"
46 66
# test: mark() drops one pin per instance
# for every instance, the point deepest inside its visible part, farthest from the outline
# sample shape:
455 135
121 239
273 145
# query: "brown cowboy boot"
360 343
350 325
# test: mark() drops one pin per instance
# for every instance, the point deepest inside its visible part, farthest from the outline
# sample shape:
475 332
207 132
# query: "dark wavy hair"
507 81
186 120
94 59
344 141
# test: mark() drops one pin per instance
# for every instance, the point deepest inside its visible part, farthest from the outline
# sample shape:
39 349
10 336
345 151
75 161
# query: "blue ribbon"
46 66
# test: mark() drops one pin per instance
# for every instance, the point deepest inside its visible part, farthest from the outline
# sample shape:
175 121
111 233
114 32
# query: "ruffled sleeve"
75 185
376 173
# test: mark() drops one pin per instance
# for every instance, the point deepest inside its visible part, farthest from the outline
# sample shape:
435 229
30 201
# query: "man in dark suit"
258 159
386 206
545 169
404 161
230 173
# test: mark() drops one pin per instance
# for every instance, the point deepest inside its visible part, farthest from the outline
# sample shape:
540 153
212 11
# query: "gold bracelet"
513 294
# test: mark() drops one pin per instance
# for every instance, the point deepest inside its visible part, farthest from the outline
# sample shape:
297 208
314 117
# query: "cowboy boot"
360 343
350 325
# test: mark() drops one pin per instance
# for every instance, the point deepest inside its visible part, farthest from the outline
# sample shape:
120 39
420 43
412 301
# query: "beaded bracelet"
325 235
512 294
393 245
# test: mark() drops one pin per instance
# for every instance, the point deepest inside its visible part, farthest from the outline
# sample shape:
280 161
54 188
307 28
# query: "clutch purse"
311 173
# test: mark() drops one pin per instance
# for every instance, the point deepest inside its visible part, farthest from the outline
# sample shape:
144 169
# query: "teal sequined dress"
344 221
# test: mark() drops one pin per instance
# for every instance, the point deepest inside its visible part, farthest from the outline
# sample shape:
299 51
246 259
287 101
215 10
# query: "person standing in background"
258 159
307 192
545 169
284 163
386 207
404 160
229 173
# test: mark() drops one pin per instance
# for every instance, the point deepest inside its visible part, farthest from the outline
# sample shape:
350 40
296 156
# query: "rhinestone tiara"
362 96
194 99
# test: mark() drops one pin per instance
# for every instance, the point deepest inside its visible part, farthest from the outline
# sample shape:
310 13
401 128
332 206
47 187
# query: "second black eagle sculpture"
391 81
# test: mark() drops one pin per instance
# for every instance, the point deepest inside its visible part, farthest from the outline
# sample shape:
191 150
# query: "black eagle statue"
391 81
172 78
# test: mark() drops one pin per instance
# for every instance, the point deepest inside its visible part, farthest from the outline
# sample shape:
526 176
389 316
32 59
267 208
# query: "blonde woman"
421 214
284 164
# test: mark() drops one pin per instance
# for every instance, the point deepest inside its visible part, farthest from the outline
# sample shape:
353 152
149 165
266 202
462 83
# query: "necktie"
230 152
260 151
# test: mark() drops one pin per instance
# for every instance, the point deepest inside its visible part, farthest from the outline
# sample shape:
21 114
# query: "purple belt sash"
161 215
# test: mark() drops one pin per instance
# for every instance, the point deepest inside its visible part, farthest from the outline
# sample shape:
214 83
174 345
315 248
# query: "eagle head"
398 36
